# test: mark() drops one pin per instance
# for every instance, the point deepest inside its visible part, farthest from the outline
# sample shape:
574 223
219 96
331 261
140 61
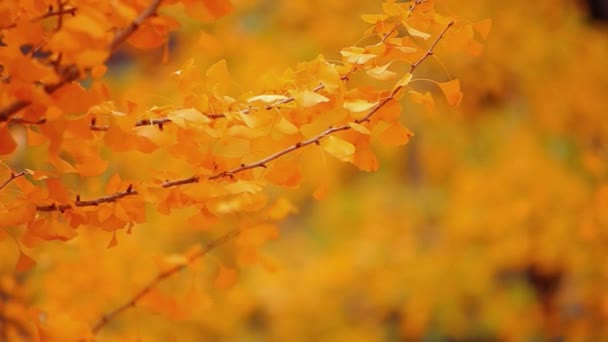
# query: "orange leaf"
113 241
24 263
451 90
226 277
365 159
483 27
392 134
148 36
7 143
159 303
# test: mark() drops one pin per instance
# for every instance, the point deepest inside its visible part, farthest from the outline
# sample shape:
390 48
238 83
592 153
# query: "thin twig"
60 12
11 178
88 203
123 34
316 139
163 276
72 73
261 163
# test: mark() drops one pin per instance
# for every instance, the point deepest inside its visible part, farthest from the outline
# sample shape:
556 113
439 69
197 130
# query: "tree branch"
72 72
50 13
123 34
222 240
316 139
264 161
11 178
261 163
88 203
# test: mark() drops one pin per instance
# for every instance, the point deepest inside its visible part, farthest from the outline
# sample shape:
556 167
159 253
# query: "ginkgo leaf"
159 303
24 262
483 27
405 80
281 208
7 143
356 55
451 90
359 128
365 159
381 72
341 149
359 105
373 18
225 278
207 10
267 98
188 117
393 134
441 19
285 126
426 99
148 36
113 242
307 98
416 33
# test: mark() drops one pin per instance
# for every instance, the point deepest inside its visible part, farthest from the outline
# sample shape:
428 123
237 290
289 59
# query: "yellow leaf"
404 81
426 99
439 19
359 105
381 72
359 128
373 18
281 209
188 117
416 33
341 149
267 98
451 90
285 126
356 55
308 98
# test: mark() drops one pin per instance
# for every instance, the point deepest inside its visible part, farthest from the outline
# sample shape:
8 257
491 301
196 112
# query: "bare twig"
88 203
11 178
222 240
51 13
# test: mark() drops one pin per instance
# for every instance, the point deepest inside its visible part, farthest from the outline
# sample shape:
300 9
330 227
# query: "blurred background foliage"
491 225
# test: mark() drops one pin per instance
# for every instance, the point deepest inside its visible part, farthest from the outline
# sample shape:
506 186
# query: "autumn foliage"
152 148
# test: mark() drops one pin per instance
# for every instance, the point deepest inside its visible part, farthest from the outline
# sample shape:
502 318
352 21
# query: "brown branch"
72 73
165 275
51 13
123 34
11 178
230 235
429 52
88 203
316 139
